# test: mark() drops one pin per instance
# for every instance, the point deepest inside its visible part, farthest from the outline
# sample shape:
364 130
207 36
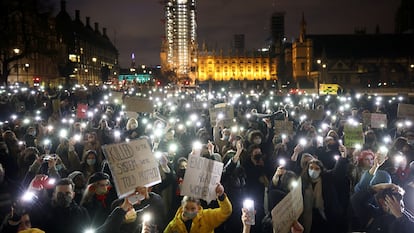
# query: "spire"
302 29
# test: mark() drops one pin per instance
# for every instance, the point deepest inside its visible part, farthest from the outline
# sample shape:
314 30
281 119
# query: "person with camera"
388 215
191 217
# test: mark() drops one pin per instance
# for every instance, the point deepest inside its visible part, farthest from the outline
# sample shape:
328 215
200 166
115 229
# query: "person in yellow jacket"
192 218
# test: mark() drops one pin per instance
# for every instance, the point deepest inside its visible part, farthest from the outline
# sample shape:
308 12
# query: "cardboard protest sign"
81 111
313 114
405 111
222 112
201 178
378 120
353 134
288 210
366 119
283 127
134 104
132 164
115 97
130 114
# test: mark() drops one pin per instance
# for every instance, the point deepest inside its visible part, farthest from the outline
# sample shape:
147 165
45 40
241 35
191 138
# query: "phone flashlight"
282 162
302 142
249 205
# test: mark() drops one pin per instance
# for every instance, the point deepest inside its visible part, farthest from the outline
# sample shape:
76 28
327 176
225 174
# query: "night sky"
135 25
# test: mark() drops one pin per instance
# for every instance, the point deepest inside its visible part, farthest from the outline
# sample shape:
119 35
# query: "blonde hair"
131 121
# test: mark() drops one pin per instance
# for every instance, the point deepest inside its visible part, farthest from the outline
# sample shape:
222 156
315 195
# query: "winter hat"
97 176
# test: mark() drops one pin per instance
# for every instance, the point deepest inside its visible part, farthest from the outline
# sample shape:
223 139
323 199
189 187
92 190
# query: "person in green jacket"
192 218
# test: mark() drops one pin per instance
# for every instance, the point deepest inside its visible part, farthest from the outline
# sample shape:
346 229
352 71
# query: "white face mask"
313 173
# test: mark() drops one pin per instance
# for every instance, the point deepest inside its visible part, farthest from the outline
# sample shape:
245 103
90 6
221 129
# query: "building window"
302 66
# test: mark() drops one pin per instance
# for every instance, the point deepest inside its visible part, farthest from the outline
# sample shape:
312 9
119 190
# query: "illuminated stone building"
249 66
179 49
90 56
353 60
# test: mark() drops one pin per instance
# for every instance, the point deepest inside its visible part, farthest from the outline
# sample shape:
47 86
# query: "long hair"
305 175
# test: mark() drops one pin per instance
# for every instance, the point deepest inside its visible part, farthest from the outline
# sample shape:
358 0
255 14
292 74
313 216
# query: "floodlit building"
179 49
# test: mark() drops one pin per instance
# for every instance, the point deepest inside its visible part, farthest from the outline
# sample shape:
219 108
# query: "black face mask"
62 200
333 146
180 173
258 157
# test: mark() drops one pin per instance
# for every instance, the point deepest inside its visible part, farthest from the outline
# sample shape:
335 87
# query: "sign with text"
353 135
132 165
283 127
201 178
116 97
378 120
224 112
138 105
288 210
314 114
405 111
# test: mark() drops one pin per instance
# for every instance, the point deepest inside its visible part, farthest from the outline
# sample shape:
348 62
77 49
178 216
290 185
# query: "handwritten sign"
283 127
378 120
224 112
201 178
288 210
353 134
138 105
313 114
405 111
132 164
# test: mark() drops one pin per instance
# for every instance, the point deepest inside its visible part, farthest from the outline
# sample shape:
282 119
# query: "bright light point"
63 133
294 184
399 158
172 148
358 146
302 142
117 133
193 117
248 203
51 181
284 136
146 217
197 145
383 149
220 116
282 162
336 157
89 231
28 196
158 154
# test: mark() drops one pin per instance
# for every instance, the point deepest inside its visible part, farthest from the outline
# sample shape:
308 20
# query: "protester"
388 215
191 216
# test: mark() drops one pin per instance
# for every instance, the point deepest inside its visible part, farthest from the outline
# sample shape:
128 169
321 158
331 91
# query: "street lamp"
26 68
94 59
17 51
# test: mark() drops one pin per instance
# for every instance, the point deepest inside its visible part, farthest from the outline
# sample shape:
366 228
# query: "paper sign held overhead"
288 210
201 178
134 104
132 165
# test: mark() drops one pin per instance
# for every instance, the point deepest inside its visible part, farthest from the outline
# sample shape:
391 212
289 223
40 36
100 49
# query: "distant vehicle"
297 91
329 89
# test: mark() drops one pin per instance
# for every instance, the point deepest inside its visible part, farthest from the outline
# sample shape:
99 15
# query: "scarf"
312 199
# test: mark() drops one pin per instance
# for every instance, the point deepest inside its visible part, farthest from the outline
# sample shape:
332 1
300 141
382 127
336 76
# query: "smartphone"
136 198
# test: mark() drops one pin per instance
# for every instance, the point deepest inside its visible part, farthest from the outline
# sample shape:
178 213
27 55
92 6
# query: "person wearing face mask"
191 217
221 135
62 214
257 179
323 210
98 197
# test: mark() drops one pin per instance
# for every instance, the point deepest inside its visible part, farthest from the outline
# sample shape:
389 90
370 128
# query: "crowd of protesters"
54 176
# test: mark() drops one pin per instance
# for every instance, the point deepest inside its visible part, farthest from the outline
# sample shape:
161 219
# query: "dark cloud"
135 25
